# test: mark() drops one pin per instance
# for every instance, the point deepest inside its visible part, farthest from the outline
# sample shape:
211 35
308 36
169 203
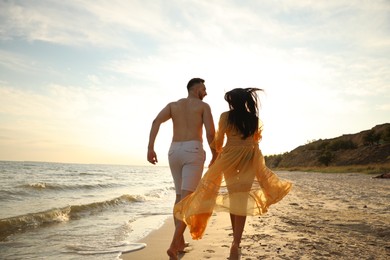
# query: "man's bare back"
187 117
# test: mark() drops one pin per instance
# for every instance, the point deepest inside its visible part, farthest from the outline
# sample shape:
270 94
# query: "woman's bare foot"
172 254
182 245
234 252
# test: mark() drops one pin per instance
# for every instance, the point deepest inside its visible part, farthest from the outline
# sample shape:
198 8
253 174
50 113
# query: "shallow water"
63 211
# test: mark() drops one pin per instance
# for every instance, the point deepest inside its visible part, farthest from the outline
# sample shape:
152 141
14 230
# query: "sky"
81 81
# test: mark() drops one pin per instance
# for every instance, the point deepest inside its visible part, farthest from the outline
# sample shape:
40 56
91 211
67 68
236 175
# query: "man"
186 155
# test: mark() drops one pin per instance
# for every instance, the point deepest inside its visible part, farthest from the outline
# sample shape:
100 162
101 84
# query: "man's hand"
152 156
214 155
211 163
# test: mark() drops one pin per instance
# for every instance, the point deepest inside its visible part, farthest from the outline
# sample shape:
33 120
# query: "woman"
238 181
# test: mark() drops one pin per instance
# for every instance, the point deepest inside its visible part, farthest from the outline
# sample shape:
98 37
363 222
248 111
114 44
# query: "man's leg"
176 221
191 168
176 166
178 239
178 198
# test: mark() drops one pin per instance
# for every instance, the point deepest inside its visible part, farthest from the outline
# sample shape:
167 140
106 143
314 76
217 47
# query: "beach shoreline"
158 241
325 216
73 211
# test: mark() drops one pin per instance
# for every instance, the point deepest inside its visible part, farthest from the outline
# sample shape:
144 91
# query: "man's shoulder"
196 104
191 101
204 106
204 103
176 102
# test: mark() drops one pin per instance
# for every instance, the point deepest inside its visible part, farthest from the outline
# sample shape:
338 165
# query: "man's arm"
164 115
210 130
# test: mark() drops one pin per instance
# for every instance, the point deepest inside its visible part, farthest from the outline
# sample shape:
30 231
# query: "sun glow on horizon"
88 94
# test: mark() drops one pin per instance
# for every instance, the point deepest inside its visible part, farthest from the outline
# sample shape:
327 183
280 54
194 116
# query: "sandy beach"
326 216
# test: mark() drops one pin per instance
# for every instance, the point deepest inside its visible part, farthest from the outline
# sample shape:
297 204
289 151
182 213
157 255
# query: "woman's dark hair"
244 110
193 82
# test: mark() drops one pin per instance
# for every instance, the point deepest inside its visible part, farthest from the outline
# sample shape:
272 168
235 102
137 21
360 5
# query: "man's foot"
172 254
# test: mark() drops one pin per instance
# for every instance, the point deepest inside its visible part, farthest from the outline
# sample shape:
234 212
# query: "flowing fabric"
238 182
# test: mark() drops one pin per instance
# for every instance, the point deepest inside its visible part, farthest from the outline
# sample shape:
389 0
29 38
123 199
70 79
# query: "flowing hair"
244 110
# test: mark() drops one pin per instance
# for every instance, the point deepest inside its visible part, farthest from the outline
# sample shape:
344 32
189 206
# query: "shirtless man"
186 155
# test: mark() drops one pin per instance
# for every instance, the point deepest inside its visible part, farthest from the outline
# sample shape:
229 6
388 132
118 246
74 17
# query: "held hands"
214 157
211 162
152 156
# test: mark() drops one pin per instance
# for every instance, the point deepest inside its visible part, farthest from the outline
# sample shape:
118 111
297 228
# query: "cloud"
99 22
66 23
15 61
92 72
383 107
77 115
94 79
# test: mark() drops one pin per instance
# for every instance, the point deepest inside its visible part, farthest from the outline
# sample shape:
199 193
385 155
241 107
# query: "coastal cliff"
367 147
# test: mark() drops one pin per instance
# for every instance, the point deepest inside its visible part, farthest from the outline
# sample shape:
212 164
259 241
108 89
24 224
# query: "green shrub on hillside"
341 145
371 138
386 134
323 145
326 158
273 160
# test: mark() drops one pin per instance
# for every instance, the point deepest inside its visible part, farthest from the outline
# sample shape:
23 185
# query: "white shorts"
186 160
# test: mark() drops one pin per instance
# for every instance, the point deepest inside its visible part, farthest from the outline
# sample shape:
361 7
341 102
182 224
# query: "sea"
79 211
95 211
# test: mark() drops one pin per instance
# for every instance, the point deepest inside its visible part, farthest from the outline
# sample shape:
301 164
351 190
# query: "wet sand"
325 216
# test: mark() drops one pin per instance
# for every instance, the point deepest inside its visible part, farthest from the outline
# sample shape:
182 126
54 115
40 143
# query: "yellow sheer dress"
238 182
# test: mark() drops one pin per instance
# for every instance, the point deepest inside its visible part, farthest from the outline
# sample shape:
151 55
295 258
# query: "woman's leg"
238 229
232 221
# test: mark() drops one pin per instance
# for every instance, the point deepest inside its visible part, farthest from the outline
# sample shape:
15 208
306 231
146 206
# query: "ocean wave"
9 226
12 194
78 210
159 193
64 187
12 225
